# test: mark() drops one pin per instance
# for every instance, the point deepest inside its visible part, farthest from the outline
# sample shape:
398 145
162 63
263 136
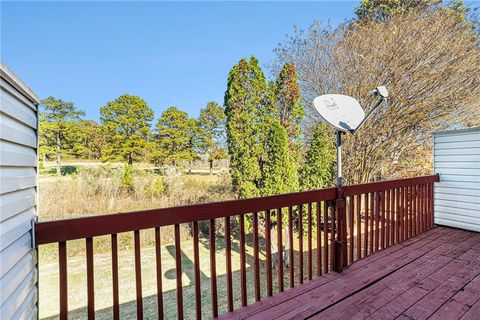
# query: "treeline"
259 128
125 133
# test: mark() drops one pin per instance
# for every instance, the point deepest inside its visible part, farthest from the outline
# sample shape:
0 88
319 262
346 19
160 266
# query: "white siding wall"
457 195
18 198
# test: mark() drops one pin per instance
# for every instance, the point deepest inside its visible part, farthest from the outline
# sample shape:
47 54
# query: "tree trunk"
59 155
211 166
130 159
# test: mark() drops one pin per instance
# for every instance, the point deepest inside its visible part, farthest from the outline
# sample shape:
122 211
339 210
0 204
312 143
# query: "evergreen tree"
248 103
279 174
318 169
211 125
56 121
290 108
126 123
175 137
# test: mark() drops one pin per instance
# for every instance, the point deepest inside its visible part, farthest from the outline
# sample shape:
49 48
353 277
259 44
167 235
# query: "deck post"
340 251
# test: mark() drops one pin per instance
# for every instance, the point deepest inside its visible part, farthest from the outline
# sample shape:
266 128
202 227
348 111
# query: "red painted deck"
435 275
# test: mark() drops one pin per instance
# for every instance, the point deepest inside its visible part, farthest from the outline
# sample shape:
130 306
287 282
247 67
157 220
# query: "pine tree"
56 121
126 123
175 137
318 169
289 105
211 132
248 105
279 174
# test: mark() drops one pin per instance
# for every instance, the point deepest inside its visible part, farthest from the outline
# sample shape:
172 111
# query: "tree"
175 137
89 140
57 117
126 123
318 170
289 104
279 174
383 10
248 103
211 125
429 62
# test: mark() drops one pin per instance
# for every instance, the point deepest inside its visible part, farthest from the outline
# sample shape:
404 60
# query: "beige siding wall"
457 195
18 198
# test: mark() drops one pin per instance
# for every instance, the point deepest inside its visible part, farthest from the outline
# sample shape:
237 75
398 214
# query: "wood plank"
422 240
376 296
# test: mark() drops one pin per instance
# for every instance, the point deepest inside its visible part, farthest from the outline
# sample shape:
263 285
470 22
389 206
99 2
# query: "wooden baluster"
62 259
138 274
367 218
359 227
300 243
425 201
243 274
256 266
319 239
90 280
116 306
352 236
383 216
387 219
404 213
410 211
280 249
333 227
397 215
325 237
377 220
424 208
392 216
309 242
268 251
196 263
228 252
213 269
178 268
372 216
290 252
414 211
158 258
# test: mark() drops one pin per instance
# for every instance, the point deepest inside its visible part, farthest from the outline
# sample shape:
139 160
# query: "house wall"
457 195
18 197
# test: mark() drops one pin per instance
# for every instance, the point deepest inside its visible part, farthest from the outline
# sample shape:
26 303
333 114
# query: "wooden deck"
435 275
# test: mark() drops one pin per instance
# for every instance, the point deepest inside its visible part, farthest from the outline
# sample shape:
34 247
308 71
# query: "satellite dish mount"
345 114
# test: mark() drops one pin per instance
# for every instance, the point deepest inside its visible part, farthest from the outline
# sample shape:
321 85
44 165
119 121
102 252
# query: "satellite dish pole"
338 134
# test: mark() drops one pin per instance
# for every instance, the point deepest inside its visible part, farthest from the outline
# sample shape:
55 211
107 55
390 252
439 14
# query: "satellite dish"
342 112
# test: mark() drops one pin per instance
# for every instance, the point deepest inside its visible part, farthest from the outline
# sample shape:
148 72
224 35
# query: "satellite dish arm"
372 109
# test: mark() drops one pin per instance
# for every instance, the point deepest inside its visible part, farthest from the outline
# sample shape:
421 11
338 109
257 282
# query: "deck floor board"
435 275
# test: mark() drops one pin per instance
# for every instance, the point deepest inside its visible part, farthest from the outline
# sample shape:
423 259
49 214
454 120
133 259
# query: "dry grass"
86 194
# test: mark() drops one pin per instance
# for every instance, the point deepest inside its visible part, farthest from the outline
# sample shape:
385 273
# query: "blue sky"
165 52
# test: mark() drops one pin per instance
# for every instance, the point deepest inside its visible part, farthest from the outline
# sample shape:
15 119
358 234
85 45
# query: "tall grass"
101 190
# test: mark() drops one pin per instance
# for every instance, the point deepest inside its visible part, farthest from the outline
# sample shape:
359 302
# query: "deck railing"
329 228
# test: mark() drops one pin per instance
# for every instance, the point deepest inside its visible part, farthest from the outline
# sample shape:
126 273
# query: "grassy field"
77 299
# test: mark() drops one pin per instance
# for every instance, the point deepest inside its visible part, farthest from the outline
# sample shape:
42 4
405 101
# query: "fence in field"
331 228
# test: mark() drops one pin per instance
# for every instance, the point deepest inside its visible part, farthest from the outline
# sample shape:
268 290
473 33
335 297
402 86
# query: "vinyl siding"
457 195
18 198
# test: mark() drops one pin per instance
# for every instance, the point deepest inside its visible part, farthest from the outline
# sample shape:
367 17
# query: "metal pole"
339 158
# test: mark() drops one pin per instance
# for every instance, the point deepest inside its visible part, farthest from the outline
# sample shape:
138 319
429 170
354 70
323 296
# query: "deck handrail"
349 224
